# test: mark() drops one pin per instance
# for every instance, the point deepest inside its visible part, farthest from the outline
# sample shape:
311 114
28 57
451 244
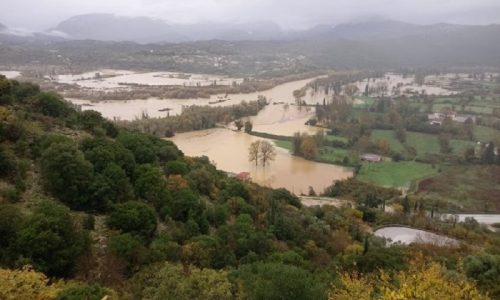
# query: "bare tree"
267 152
254 152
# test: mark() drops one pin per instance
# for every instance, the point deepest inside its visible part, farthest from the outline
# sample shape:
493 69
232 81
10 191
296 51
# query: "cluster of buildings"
438 118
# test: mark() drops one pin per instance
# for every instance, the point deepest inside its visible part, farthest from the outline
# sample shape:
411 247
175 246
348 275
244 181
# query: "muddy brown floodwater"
132 109
284 120
228 150
122 79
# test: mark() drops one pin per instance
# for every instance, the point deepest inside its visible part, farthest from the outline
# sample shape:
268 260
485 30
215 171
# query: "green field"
333 155
395 174
473 108
466 188
440 106
284 144
329 137
329 154
446 100
486 134
390 137
427 143
478 106
422 142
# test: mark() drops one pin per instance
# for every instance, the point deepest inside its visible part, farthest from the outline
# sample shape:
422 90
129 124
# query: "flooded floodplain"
121 79
132 109
228 150
10 74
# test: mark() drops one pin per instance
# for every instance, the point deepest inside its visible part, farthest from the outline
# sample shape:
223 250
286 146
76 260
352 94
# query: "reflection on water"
229 151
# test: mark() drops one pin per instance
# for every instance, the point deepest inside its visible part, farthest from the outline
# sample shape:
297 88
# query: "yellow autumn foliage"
26 284
354 286
421 281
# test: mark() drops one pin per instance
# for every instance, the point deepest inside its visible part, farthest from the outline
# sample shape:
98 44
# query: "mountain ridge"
107 27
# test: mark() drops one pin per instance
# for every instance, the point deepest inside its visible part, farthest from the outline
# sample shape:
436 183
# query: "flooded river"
122 79
154 107
229 149
284 120
229 152
10 74
132 109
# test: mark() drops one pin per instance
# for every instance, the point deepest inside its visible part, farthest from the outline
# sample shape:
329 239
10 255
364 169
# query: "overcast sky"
43 14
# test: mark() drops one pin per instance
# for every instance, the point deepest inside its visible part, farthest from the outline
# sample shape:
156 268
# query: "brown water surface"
132 109
228 150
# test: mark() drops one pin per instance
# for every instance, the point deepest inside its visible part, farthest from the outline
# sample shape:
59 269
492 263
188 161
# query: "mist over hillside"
215 48
108 27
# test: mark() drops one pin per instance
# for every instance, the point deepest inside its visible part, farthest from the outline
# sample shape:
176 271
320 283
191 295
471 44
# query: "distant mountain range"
140 42
108 27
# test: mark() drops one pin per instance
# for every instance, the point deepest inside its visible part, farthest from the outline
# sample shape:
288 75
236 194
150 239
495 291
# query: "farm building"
371 157
243 176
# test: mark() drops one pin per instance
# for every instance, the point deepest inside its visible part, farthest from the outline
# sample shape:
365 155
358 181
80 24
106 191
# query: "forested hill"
365 46
100 210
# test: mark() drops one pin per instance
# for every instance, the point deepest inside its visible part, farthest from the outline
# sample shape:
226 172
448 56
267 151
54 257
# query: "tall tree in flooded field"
253 152
267 152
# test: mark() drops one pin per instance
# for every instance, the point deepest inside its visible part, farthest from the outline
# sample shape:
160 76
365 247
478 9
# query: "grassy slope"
390 137
330 154
283 144
395 174
333 155
329 137
422 142
486 134
471 188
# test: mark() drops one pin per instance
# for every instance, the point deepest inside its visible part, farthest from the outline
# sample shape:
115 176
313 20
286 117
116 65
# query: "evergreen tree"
489 154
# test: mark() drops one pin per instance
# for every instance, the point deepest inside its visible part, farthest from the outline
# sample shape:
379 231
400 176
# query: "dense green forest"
89 209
